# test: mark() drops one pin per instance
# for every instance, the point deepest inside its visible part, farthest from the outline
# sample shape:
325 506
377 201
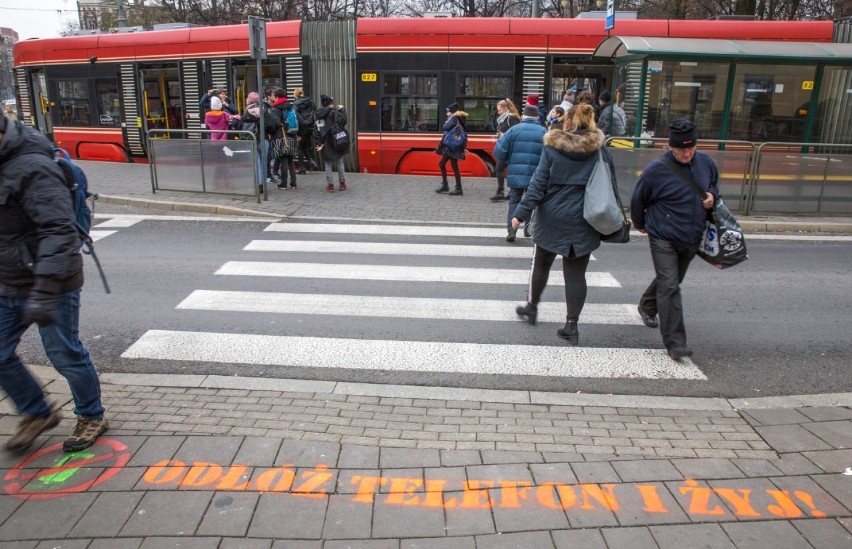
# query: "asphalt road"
776 325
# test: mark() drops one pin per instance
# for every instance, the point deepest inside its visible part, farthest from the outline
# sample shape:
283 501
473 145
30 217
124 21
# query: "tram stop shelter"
748 96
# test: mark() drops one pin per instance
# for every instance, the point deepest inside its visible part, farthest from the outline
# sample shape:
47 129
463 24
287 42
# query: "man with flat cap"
670 211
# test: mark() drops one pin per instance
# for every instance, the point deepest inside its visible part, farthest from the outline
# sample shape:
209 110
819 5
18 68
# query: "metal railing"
205 165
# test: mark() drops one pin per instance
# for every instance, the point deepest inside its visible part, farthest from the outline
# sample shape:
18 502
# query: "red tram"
98 95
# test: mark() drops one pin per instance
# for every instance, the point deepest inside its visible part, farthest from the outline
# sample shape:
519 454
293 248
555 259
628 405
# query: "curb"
184 206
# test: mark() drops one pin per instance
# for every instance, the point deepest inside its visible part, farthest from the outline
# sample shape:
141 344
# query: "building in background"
8 38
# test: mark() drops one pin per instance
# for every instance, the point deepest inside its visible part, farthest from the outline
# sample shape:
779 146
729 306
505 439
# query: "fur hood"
461 114
581 143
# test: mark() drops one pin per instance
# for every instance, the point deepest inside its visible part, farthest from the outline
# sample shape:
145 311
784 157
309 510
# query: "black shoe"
456 192
498 196
511 236
677 353
650 321
443 189
282 186
569 332
528 311
302 172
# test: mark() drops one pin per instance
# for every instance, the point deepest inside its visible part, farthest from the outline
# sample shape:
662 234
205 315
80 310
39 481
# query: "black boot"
457 191
444 188
569 332
528 311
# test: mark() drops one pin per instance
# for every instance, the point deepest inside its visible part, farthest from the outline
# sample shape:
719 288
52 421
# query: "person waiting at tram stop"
507 116
455 117
612 120
304 107
250 121
673 216
217 120
329 116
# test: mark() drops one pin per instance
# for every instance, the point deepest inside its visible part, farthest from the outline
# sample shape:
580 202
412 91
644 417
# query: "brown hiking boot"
85 433
30 428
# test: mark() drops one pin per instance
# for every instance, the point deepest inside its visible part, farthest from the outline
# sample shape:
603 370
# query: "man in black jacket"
41 273
671 213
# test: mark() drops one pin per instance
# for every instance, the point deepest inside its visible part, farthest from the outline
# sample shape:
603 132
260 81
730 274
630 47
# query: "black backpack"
340 139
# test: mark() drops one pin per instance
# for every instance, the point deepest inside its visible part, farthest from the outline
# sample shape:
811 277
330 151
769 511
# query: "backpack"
292 122
455 140
249 126
78 185
306 118
340 139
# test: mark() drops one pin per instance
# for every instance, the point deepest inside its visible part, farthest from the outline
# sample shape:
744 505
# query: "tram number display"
808 85
368 77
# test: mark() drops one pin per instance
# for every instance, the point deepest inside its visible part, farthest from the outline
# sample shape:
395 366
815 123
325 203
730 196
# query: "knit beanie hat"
682 134
531 111
215 103
253 99
605 96
326 100
532 99
453 107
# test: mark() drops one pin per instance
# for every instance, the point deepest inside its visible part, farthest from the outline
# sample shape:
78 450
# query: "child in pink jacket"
217 119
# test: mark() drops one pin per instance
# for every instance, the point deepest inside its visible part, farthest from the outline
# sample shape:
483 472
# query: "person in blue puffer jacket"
520 148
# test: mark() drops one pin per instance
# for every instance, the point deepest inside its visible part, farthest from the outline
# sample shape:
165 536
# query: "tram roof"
627 47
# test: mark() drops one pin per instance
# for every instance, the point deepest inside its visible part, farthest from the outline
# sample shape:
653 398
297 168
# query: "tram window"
677 89
410 102
73 103
767 100
109 105
478 96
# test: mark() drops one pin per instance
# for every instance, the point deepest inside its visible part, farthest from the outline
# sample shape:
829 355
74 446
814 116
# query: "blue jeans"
515 196
64 349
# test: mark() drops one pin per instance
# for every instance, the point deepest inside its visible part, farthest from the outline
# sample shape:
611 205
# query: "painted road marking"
382 229
389 248
99 235
400 307
119 222
399 273
411 356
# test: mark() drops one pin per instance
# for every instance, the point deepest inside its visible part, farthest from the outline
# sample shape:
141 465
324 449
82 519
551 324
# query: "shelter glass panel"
768 101
478 95
73 102
684 89
833 116
410 102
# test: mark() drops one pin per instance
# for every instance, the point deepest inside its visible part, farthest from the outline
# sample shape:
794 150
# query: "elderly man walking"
520 148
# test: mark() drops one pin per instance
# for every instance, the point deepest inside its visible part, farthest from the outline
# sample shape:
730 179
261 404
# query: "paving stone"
628 538
347 482
647 503
398 481
114 543
167 513
648 469
297 544
404 457
824 534
156 449
515 509
495 457
63 544
846 522
747 499
775 416
836 433
831 461
22 544
30 517
499 473
469 516
765 535
363 544
308 453
553 472
699 502
229 514
826 413
398 521
8 505
756 467
438 543
358 457
451 479
575 539
694 536
210 449
822 500
791 438
595 472
283 515
539 540
182 543
841 491
107 515
707 468
258 451
796 464
347 519
450 458
245 543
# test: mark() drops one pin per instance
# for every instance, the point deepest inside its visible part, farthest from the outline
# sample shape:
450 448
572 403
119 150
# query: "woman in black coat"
455 117
557 193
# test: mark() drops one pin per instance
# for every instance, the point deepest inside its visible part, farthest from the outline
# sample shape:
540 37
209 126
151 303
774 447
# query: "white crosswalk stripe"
366 353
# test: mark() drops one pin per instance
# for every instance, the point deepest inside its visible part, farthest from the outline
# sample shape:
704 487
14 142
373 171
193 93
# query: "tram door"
245 79
41 104
568 74
161 98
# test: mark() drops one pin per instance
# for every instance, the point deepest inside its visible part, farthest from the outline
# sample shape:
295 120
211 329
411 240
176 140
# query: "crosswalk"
377 259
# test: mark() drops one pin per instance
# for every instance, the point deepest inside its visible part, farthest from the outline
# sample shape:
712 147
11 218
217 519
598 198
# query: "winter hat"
253 99
215 103
531 111
532 99
326 100
605 96
452 107
682 134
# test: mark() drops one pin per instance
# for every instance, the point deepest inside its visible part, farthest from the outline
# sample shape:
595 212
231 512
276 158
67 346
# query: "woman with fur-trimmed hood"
455 117
557 194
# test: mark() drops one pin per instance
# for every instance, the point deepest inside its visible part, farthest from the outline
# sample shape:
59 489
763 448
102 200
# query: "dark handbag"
289 147
276 147
723 243
621 236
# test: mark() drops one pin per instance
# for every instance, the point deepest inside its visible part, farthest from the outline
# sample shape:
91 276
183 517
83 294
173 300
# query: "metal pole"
262 132
122 21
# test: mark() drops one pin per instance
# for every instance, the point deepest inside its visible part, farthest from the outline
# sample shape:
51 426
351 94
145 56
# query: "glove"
41 309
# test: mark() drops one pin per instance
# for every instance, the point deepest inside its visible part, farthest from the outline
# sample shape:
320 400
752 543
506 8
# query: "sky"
36 18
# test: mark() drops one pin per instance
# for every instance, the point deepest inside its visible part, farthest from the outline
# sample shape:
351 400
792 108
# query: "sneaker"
86 432
511 236
443 189
329 188
498 196
282 186
342 185
293 186
270 180
677 353
456 192
30 427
